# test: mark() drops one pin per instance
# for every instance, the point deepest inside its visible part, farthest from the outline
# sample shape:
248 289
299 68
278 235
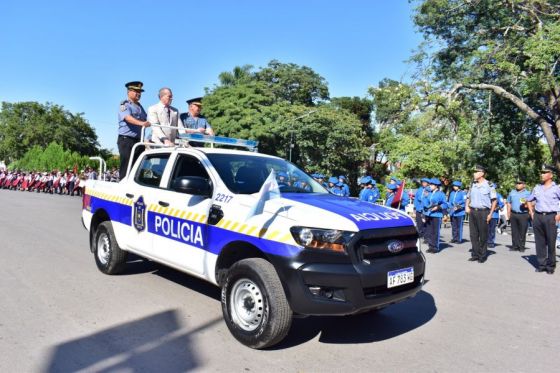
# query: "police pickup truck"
211 213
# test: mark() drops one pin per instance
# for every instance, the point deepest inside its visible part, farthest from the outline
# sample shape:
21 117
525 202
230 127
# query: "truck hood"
362 214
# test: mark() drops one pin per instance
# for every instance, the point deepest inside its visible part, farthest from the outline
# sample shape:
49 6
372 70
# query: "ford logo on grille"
395 246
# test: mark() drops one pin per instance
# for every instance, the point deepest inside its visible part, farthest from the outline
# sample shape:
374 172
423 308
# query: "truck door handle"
130 195
164 204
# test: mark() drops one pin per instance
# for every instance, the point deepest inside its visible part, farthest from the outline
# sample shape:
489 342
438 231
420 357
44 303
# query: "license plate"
400 277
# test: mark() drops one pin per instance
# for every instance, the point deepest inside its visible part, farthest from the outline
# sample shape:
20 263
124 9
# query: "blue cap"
342 177
392 186
425 179
333 180
365 180
282 174
457 183
435 181
314 175
320 176
373 181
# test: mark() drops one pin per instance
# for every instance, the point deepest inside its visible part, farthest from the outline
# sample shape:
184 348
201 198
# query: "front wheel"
254 305
109 257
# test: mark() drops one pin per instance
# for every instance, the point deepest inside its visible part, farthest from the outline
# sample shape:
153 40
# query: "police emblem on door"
139 214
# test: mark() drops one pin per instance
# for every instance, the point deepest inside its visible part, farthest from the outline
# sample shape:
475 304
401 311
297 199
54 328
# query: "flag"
75 169
398 196
268 191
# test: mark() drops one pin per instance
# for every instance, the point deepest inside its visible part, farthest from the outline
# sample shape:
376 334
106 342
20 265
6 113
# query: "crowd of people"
54 182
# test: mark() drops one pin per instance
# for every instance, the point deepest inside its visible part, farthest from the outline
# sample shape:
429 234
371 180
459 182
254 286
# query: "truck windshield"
245 174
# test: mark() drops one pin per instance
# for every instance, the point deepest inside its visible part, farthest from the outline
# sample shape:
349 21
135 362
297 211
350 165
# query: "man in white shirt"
164 114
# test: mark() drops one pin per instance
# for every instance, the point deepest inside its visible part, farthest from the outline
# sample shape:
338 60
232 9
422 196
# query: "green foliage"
53 157
510 44
24 125
266 106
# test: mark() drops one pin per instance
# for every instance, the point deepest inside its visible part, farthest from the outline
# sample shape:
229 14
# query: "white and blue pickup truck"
203 211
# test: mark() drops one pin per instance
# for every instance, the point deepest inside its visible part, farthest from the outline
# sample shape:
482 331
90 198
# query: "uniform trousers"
492 231
125 144
519 225
544 227
479 232
431 232
457 228
420 223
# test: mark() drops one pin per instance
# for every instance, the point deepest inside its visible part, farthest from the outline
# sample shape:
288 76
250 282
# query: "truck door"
179 224
144 191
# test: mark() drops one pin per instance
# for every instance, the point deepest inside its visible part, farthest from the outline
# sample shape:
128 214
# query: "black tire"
256 282
109 257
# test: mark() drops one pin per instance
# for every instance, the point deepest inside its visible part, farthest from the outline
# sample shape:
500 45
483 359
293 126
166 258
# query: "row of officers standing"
133 118
483 203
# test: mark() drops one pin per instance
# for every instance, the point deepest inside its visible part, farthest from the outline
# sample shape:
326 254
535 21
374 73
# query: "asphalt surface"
58 313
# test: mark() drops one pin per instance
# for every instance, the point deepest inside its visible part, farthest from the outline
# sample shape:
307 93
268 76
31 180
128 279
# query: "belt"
480 209
129 137
546 213
519 213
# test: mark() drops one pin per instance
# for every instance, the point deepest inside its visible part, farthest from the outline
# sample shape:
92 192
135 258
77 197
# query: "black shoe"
539 270
550 271
473 259
512 249
491 245
482 260
430 250
453 241
522 250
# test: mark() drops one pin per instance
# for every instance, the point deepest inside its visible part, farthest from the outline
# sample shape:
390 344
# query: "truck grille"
374 244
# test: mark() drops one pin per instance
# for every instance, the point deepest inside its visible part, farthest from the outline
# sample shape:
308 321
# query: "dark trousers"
492 231
519 225
125 148
479 232
420 223
544 227
70 187
431 232
457 228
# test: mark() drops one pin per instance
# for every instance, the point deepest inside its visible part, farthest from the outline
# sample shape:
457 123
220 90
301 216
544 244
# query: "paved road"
59 314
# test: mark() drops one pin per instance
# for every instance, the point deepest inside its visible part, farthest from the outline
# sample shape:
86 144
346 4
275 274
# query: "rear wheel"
109 257
254 305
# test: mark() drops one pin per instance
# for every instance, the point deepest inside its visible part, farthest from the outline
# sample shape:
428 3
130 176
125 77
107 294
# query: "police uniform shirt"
481 195
547 199
194 123
137 112
514 199
433 199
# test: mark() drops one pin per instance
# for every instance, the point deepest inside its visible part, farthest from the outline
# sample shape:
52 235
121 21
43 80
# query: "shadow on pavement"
191 282
532 260
151 344
136 265
369 327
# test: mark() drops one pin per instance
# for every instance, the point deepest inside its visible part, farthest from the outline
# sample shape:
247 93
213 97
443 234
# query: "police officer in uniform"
345 187
434 204
419 205
518 213
544 211
481 203
456 208
194 122
132 118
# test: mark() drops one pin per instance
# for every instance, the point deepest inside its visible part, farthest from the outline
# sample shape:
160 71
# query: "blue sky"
79 54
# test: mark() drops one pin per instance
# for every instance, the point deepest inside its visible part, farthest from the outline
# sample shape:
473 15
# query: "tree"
293 83
27 124
53 157
510 48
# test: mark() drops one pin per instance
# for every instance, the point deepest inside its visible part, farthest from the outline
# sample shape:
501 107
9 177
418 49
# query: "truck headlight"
323 239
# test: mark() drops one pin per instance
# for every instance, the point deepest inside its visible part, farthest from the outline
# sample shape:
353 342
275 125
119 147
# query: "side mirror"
192 185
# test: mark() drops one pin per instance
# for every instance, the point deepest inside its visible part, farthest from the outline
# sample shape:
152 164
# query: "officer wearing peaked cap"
132 118
518 213
456 208
481 203
544 211
434 205
194 122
